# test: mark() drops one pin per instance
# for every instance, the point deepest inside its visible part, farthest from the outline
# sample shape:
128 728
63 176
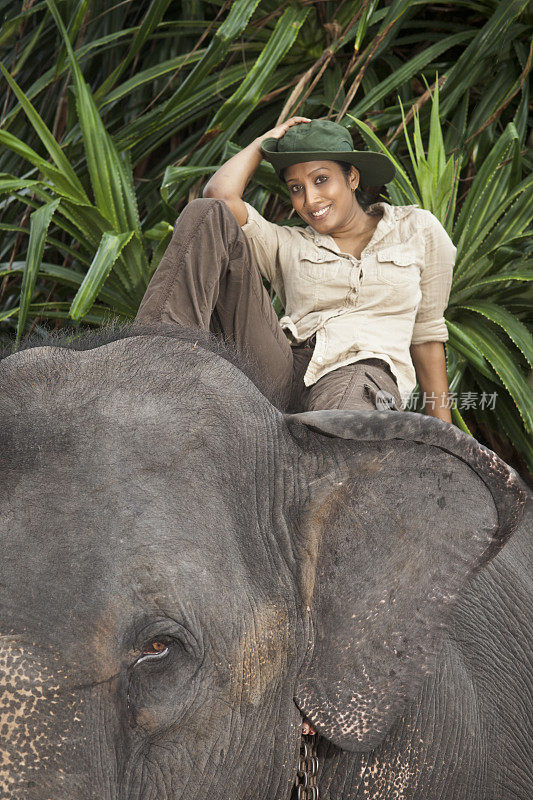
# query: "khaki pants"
206 279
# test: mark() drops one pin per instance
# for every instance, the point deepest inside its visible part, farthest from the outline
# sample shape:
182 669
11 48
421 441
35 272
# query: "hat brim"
375 169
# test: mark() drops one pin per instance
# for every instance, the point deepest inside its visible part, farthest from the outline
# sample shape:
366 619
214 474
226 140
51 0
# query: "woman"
364 290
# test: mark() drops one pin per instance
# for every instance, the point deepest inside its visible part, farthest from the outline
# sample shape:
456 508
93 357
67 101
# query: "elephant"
188 571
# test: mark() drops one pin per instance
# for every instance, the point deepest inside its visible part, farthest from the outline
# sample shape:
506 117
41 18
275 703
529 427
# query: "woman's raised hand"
230 180
281 130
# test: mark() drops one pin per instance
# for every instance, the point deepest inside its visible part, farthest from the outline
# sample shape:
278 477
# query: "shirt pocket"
399 264
318 266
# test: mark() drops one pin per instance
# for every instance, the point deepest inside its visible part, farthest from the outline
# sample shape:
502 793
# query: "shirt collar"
391 215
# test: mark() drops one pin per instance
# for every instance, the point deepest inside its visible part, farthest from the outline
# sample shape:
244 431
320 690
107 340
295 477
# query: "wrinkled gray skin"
150 493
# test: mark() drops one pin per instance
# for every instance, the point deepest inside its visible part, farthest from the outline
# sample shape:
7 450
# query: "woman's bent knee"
206 208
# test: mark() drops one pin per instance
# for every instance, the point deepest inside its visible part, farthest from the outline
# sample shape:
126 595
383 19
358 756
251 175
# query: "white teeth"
321 212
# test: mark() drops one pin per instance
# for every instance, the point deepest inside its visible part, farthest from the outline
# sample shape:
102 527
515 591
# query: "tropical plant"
490 348
114 115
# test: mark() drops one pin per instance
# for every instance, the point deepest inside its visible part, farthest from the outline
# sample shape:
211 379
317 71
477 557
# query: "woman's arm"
429 361
230 180
429 330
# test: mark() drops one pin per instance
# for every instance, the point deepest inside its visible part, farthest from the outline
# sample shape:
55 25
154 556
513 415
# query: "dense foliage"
112 116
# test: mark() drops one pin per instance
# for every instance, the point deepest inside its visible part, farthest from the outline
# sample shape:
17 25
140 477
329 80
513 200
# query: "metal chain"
306 773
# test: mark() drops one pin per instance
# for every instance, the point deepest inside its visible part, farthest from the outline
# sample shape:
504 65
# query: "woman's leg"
367 385
206 279
301 356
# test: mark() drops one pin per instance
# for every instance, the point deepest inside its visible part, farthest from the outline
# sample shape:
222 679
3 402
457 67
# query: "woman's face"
321 194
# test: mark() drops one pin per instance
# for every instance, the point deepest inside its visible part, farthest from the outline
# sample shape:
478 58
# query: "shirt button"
319 359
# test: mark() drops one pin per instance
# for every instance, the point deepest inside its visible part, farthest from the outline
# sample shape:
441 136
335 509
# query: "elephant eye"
154 650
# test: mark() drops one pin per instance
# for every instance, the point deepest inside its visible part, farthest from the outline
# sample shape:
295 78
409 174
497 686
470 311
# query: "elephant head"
186 569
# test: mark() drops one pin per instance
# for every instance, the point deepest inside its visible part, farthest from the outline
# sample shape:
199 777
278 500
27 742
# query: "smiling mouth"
321 213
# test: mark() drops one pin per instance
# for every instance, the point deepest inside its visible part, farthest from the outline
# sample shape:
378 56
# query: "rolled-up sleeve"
264 239
435 283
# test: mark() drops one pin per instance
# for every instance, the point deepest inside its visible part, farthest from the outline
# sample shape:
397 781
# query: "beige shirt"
373 307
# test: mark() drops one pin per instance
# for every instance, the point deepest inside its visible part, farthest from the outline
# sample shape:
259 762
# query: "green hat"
324 140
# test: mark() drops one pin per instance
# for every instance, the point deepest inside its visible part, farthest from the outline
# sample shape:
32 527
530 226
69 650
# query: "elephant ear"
403 510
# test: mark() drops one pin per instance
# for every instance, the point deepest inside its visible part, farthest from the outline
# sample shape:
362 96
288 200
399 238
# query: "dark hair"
363 196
